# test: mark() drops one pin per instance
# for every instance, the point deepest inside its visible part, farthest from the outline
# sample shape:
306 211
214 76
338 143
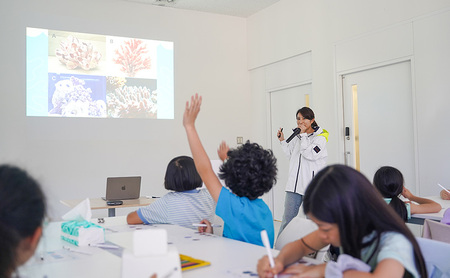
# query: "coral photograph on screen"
76 53
131 98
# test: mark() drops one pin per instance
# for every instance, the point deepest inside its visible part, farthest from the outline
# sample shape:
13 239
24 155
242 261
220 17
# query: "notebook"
122 188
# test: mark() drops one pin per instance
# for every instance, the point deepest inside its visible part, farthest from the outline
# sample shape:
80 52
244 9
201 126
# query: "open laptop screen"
123 188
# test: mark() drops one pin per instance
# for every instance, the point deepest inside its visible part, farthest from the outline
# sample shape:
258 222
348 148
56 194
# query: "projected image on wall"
85 75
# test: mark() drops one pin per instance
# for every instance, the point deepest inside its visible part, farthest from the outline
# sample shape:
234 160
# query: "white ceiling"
240 8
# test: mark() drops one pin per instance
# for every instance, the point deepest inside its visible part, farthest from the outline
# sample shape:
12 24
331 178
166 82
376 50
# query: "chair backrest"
436 230
218 230
296 229
436 255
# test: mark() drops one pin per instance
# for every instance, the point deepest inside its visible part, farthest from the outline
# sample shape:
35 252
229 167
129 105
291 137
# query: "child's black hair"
250 170
181 175
22 210
389 181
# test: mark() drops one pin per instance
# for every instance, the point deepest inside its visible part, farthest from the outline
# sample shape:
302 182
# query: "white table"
99 203
420 218
227 257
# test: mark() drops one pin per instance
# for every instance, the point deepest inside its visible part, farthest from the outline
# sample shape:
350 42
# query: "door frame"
269 134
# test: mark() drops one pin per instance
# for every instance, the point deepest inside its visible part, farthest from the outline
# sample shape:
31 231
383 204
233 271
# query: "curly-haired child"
249 171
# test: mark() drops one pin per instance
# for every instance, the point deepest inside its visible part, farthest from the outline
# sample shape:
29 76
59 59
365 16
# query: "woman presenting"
307 155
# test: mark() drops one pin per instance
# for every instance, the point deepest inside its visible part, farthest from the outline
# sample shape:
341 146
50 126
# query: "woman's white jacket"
307 155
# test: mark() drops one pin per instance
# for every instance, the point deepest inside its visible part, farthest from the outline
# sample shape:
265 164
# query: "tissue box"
82 233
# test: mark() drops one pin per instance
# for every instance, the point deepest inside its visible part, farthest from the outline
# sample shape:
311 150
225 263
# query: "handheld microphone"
296 132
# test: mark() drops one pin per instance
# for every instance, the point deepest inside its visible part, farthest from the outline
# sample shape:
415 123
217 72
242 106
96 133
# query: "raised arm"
201 159
424 205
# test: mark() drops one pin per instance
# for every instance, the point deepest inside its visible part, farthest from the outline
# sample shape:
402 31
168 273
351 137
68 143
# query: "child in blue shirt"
249 171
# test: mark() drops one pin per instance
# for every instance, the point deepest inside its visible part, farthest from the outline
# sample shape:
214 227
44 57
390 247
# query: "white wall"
292 27
73 157
432 68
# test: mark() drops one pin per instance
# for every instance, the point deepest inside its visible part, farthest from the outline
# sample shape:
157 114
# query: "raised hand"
222 151
191 111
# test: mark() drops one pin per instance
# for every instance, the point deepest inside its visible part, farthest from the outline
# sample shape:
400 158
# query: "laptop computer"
122 188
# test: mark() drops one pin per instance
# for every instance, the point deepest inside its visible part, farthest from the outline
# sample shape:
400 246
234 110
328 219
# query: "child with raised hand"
249 171
350 214
389 181
185 205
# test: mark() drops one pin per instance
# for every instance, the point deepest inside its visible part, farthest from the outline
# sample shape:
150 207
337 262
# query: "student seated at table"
350 214
444 194
22 210
389 181
187 204
249 172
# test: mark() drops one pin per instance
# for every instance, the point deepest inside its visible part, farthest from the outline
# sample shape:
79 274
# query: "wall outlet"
240 140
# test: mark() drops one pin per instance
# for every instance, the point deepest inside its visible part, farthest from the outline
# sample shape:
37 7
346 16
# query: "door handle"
347 160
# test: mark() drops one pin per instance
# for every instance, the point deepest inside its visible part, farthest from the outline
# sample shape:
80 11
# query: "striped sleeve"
155 212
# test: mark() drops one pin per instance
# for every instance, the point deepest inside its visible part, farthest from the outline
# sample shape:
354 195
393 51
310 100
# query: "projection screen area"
73 74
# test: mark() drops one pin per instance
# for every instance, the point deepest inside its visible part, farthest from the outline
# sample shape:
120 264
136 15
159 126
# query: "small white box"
150 242
166 265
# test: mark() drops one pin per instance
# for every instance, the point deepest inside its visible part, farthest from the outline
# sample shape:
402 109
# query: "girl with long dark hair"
352 215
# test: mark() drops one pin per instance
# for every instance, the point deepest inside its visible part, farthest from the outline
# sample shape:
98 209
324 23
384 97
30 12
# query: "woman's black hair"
307 113
389 181
250 170
341 195
22 210
181 175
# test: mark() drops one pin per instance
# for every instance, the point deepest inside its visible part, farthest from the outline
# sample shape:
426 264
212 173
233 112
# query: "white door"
378 117
283 107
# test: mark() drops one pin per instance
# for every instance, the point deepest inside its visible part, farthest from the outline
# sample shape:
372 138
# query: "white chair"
296 229
436 255
218 230
436 230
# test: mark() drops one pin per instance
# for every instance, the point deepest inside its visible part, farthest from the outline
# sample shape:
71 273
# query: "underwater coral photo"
131 98
76 96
